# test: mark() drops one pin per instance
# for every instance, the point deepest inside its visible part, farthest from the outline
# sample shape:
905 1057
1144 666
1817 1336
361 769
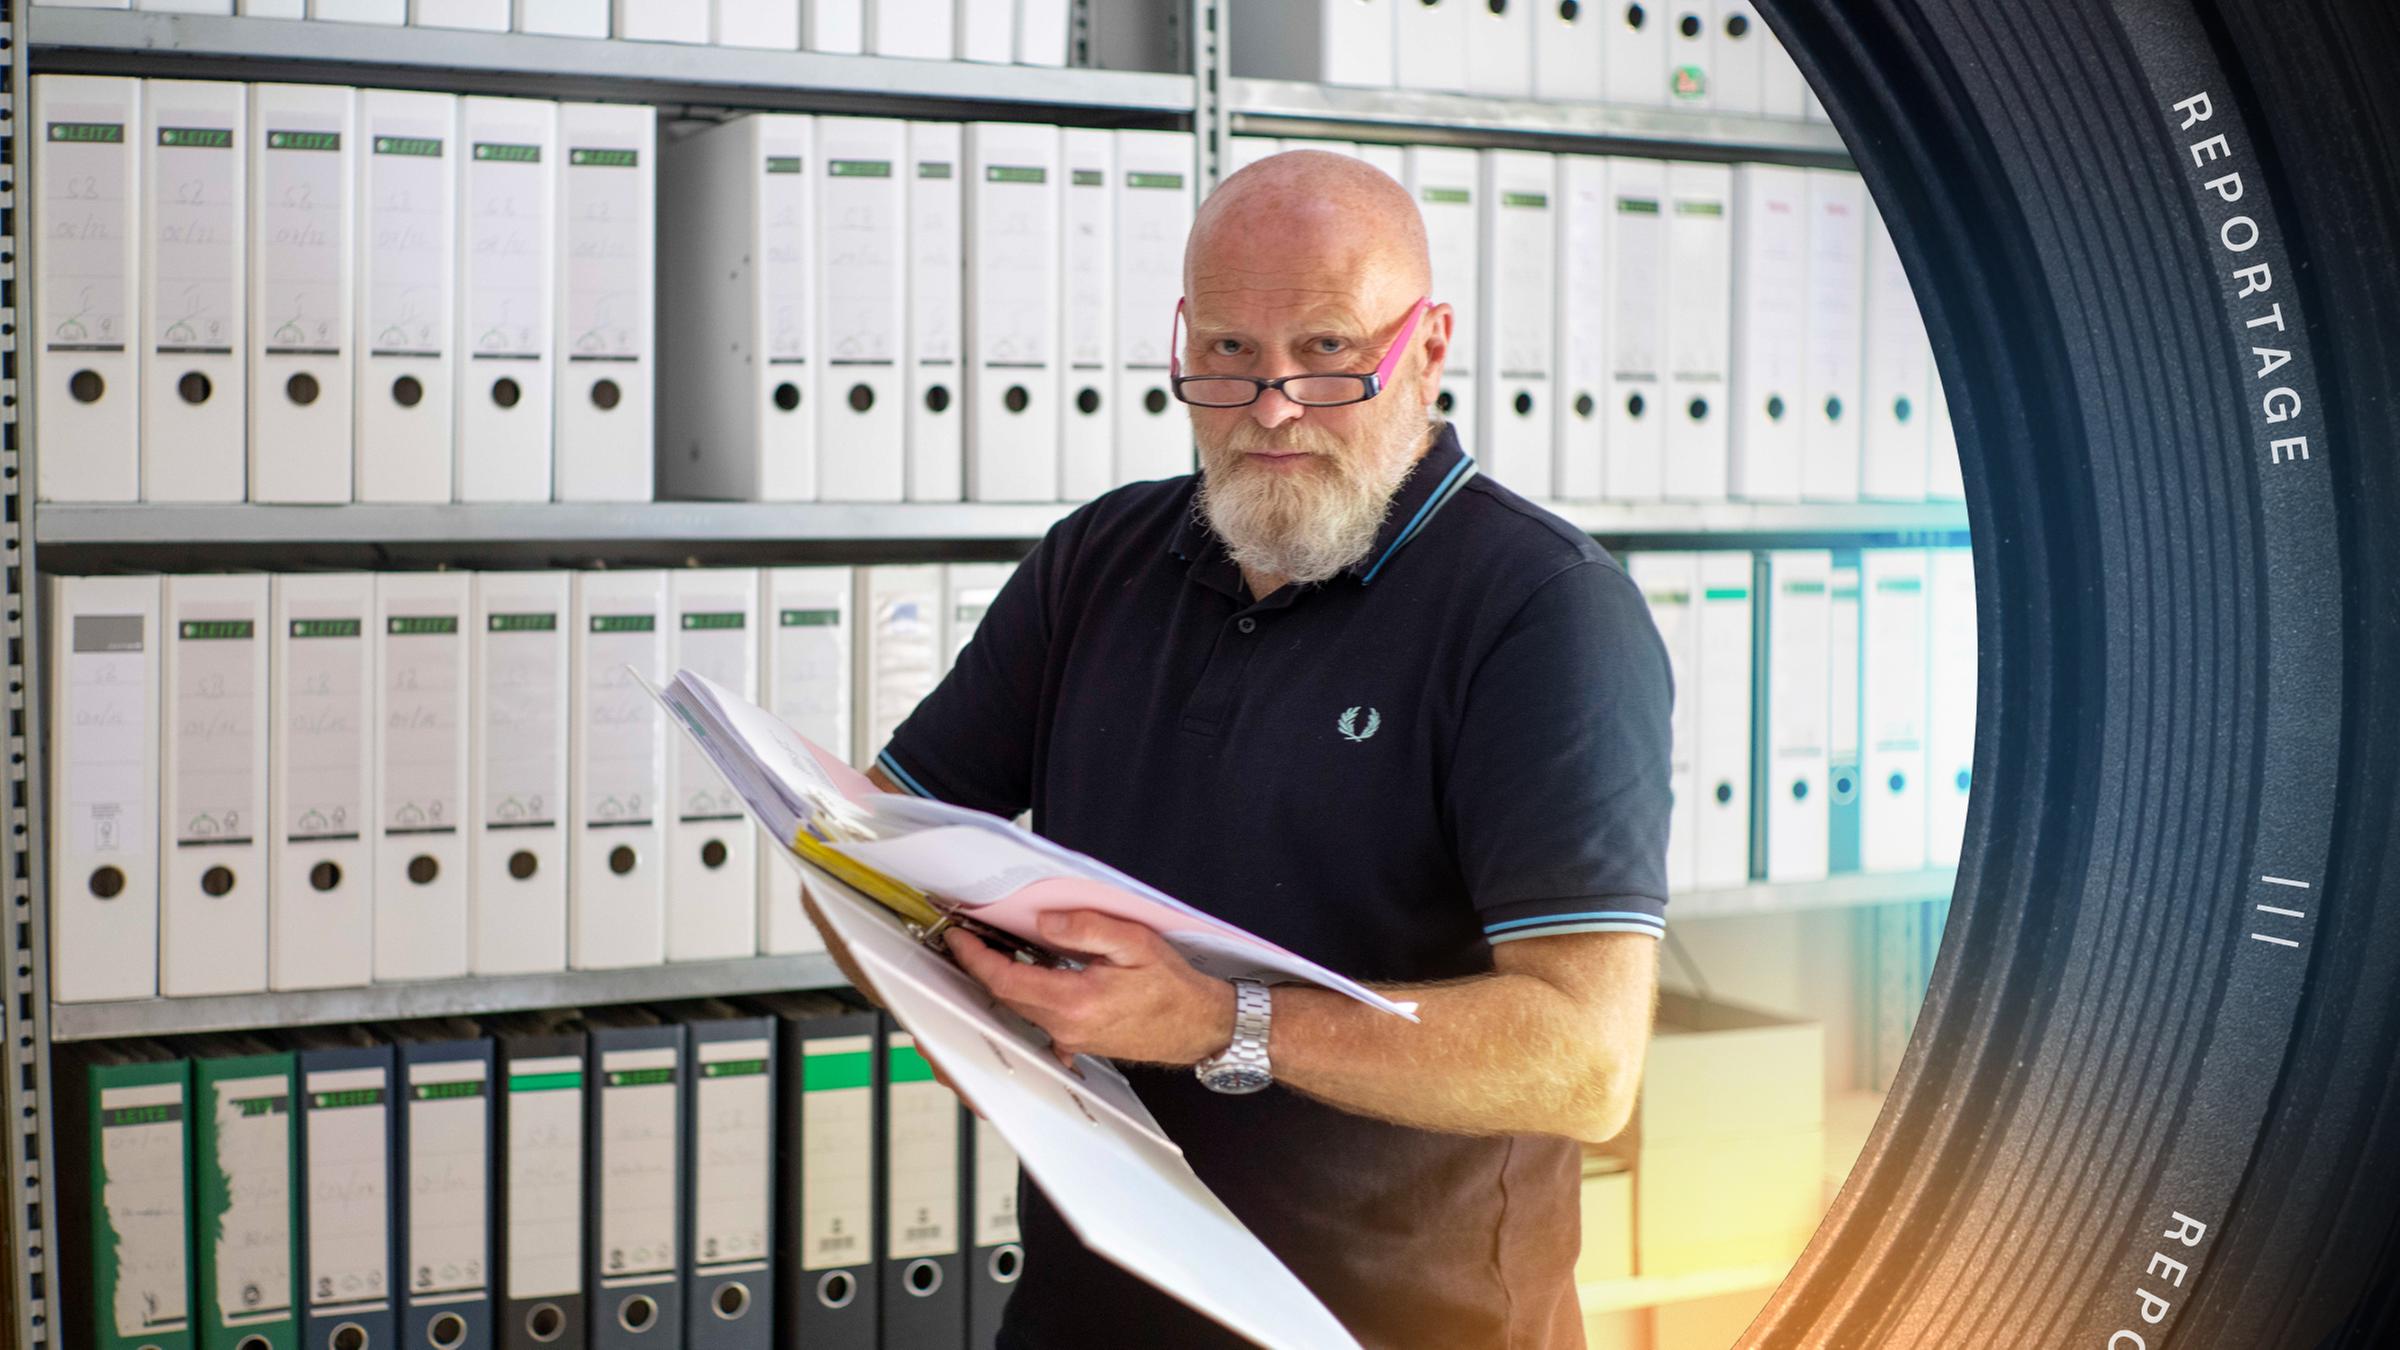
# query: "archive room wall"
402 373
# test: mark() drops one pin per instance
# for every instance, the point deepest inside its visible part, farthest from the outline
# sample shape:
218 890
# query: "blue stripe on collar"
1442 493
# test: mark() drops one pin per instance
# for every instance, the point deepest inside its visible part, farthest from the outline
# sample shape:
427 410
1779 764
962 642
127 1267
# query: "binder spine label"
196 240
605 212
786 278
544 1160
621 767
215 733
733 1137
524 727
87 222
348 1189
142 1194
245 1195
995 1187
837 1115
505 243
921 1162
424 674
325 748
639 1153
861 216
407 259
715 644
111 804
305 242
811 671
449 1165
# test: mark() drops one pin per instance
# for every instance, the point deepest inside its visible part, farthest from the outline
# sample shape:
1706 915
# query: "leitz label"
521 623
317 628
442 1092
1015 173
730 619
545 1082
1448 196
195 138
304 140
160 1114
1804 588
810 618
1901 585
603 159
213 630
624 623
933 168
1089 178
1534 199
107 133
420 625
639 1077
421 147
859 168
733 1068
335 1101
1699 208
1726 593
1154 180
494 152
783 164
1637 206
263 1106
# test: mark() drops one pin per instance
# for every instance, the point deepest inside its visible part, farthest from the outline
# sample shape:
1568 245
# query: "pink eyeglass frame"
1375 379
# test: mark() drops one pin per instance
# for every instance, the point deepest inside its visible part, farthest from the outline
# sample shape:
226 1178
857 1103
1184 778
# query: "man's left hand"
1136 999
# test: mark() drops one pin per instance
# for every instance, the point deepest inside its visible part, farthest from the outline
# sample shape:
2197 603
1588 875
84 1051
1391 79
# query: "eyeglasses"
1309 390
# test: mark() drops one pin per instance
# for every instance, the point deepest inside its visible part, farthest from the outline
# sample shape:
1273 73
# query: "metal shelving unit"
440 998
1204 98
1298 108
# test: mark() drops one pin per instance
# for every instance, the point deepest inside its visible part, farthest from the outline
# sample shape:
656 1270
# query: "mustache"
1249 437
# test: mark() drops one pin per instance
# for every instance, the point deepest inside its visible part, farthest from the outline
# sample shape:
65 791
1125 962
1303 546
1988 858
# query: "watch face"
1237 1078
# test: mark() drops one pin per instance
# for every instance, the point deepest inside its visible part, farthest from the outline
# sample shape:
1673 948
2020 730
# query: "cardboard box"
1715 1203
1719 1071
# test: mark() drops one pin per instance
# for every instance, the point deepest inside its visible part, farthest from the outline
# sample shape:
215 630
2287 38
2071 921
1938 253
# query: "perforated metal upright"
26 1017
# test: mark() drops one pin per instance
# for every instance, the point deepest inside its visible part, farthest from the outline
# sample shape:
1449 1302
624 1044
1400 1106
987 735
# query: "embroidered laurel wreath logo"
1349 727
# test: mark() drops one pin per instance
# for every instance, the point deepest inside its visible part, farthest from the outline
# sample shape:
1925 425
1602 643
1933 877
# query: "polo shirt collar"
1437 477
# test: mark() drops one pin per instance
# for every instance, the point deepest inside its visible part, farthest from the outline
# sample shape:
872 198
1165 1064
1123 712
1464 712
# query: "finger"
1066 1057
1008 979
1119 942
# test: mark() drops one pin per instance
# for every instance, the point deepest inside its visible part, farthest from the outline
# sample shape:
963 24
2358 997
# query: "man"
1341 691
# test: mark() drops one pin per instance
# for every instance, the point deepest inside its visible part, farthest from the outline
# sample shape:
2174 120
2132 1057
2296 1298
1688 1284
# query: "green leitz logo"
441 1092
421 625
421 147
111 133
521 623
603 159
1350 728
214 630
1448 196
261 1106
624 623
162 1114
933 169
304 140
508 154
335 1101
733 619
1533 199
640 1077
1089 178
859 168
1637 206
810 618
783 164
196 138
733 1068
317 628
1154 180
1015 173
1699 208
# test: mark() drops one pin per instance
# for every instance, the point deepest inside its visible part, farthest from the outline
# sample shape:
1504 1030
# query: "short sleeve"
971 741
1557 794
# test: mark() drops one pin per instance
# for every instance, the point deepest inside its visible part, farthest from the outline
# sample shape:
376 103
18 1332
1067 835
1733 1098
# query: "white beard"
1305 526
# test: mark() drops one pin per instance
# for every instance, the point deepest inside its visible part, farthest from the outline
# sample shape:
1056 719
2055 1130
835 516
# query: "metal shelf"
1295 108
441 998
77 537
210 47
1842 892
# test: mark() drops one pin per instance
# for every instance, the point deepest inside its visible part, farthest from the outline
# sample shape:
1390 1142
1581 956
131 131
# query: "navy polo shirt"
1461 742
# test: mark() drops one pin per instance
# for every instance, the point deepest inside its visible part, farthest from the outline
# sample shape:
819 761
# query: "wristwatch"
1242 1066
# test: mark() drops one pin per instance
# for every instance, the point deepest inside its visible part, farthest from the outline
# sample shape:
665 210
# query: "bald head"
1307 220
